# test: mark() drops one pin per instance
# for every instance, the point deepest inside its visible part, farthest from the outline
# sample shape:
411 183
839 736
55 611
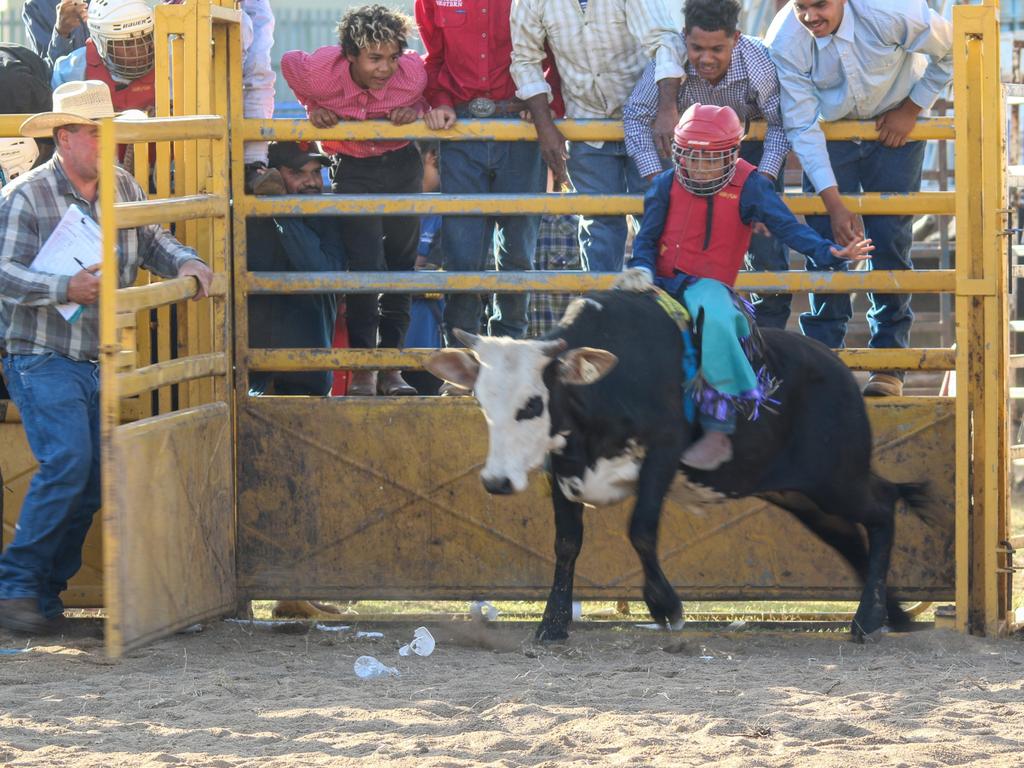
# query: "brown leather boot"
363 384
21 614
882 384
392 384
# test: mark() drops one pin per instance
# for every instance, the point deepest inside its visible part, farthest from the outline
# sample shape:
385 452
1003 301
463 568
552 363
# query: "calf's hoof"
547 633
866 632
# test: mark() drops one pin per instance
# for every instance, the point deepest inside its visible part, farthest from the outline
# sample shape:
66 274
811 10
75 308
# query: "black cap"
294 154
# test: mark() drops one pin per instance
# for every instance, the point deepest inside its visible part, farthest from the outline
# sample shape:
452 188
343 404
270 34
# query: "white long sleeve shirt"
882 52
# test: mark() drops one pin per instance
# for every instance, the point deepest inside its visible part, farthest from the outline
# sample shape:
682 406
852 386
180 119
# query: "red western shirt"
469 49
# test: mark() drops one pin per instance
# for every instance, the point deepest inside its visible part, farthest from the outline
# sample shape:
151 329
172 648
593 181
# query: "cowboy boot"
363 384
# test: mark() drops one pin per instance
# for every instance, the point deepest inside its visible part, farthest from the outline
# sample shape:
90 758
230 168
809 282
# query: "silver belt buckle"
481 107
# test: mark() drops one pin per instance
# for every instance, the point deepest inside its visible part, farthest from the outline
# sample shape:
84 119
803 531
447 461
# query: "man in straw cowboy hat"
51 363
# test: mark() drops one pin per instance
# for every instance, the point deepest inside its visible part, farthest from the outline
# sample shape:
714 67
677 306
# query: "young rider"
695 231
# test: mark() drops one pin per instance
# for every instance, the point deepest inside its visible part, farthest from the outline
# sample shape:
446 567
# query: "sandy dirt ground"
236 695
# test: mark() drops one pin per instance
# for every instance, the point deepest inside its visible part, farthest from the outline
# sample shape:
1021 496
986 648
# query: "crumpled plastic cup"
368 667
422 643
483 610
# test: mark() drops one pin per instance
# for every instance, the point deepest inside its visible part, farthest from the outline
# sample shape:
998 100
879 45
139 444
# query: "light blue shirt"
69 69
882 52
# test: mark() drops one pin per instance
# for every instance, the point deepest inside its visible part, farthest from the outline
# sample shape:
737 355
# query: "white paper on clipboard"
75 243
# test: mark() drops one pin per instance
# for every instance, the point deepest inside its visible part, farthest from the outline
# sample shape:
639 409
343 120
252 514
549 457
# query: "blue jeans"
867 166
605 171
468 242
59 403
767 254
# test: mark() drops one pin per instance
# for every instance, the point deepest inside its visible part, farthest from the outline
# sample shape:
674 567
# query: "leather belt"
481 107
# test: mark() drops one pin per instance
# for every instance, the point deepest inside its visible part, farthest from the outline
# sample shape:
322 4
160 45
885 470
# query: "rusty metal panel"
379 498
170 534
17 466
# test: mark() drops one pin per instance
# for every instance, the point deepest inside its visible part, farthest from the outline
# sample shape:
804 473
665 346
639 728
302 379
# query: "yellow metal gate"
211 496
168 477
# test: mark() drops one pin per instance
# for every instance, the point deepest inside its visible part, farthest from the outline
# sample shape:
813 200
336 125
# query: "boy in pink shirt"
370 76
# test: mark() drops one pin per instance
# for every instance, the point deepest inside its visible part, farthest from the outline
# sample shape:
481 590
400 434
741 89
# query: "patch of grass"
523 610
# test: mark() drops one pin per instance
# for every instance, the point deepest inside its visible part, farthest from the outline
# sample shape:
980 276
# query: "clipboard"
76 243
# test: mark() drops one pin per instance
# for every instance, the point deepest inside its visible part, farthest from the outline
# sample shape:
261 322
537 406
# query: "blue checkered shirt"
558 247
750 87
31 206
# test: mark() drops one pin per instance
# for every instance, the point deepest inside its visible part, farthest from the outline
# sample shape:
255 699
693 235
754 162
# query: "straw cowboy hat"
83 102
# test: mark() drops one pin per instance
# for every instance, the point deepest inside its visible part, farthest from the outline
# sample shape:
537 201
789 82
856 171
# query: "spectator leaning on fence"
726 69
55 28
600 48
51 363
880 60
294 244
371 76
469 47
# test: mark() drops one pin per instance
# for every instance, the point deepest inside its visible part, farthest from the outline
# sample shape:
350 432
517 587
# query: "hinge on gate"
1006 548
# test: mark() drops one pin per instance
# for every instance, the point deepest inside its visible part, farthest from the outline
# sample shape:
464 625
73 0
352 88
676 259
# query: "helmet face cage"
704 171
129 59
122 31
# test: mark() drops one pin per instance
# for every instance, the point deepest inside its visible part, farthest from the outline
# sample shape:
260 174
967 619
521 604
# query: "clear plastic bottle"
367 667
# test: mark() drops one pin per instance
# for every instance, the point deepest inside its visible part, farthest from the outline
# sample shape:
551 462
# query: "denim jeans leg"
601 171
830 313
68 559
466 241
518 169
767 254
54 396
891 170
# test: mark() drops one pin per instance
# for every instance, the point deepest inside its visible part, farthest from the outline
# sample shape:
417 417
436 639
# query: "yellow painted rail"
178 209
405 359
518 130
899 281
138 298
492 205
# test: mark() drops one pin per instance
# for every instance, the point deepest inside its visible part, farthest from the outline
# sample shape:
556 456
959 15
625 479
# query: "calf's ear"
585 365
454 365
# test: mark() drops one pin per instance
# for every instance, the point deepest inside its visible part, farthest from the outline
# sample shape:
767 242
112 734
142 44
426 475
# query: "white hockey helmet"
17 155
122 31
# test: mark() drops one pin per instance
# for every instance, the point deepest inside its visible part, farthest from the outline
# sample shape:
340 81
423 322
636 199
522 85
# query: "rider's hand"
855 251
636 279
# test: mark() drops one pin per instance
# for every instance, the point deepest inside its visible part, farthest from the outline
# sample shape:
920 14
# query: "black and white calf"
601 396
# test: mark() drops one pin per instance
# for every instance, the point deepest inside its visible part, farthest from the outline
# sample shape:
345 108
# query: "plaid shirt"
599 51
30 208
558 247
750 86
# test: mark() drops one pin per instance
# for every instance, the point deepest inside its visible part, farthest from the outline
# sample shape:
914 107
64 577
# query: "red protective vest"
138 94
682 244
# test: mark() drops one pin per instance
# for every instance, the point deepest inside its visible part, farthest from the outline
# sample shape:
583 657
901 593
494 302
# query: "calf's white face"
507 378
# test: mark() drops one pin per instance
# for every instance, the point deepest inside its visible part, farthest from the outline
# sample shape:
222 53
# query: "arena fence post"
982 445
